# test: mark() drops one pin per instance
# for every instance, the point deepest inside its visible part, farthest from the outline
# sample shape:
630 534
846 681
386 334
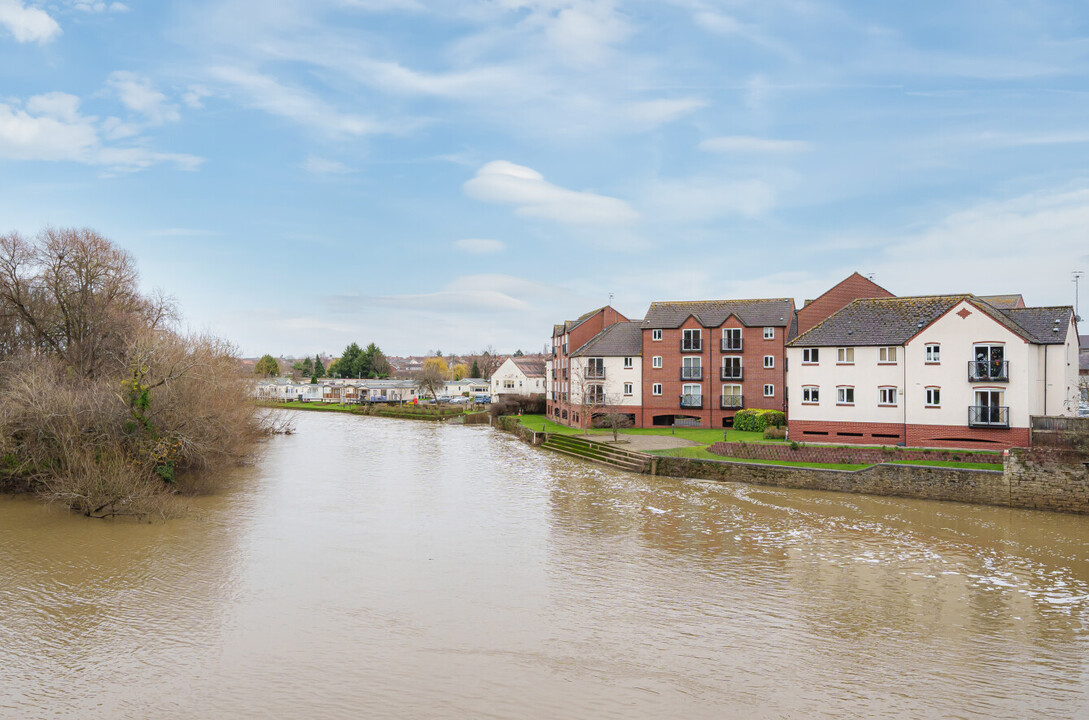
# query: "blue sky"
453 174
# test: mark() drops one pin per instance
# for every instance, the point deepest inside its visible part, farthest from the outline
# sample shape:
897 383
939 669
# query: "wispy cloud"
139 95
526 189
27 23
324 166
748 144
479 246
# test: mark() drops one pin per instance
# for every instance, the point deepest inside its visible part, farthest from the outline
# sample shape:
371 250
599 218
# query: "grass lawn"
704 436
997 467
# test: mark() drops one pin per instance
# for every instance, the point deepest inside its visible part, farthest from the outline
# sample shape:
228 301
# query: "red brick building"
566 339
705 360
854 287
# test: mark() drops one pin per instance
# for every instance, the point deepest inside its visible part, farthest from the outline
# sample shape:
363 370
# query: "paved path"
640 443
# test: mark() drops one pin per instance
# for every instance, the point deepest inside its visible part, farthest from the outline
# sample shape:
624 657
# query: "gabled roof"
530 367
1047 325
772 312
1004 302
894 321
624 339
569 325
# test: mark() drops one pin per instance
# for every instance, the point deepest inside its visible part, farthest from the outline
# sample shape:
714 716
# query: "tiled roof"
530 367
623 339
1003 302
775 312
1041 322
1083 360
894 321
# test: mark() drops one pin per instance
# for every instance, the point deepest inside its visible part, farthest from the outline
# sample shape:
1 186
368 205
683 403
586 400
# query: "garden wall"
843 455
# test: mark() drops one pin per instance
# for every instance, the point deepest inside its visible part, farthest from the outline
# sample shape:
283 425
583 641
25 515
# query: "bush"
518 405
775 433
758 420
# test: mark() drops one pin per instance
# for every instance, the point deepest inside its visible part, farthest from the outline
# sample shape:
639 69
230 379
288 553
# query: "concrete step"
621 465
598 453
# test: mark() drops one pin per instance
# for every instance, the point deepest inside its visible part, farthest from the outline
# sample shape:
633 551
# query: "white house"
475 387
607 375
519 376
939 371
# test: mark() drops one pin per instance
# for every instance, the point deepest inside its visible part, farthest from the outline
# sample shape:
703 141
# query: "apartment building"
932 371
606 377
705 360
568 337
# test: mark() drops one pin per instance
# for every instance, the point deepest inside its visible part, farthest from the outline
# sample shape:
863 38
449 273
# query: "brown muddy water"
372 568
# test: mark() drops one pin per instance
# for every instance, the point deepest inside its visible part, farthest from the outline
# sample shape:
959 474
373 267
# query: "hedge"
758 420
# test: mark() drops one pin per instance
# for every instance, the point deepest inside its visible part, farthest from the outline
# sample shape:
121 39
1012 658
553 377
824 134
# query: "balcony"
692 345
565 374
595 373
732 345
691 373
988 416
732 402
731 373
988 371
692 402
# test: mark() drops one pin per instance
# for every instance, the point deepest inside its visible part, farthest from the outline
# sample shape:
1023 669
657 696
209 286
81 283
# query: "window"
655 334
933 397
691 396
845 395
627 363
656 361
811 394
731 396
886 355
731 368
596 394
886 396
692 368
508 384
933 353
627 388
810 356
691 340
769 333
731 339
656 389
595 368
769 361
845 356
769 391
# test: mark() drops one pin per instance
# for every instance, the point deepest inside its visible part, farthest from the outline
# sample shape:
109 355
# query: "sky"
453 174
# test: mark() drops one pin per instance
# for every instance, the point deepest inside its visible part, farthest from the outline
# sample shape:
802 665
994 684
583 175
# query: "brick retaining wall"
843 456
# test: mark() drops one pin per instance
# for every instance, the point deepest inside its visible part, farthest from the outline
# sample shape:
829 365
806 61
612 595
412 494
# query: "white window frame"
628 363
842 392
769 333
769 390
728 334
933 397
810 356
845 356
656 389
887 355
887 396
656 335
769 361
811 394
629 389
933 353
656 361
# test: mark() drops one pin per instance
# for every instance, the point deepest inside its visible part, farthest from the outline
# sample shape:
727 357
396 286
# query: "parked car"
1083 409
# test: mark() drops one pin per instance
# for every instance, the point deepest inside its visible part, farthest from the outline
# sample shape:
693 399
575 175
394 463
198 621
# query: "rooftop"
623 339
769 312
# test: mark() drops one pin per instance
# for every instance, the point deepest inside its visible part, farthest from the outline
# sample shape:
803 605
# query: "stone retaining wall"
842 455
1049 479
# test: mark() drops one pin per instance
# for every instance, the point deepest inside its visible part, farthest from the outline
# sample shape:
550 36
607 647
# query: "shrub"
518 404
775 433
758 420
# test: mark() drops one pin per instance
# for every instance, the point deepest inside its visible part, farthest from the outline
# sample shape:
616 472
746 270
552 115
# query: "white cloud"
266 93
27 24
505 183
99 7
324 166
49 127
194 96
137 94
479 246
748 144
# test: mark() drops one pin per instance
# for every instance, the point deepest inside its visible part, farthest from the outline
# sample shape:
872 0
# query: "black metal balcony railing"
691 373
692 401
596 399
995 416
988 371
692 345
731 373
732 401
730 345
595 373
565 373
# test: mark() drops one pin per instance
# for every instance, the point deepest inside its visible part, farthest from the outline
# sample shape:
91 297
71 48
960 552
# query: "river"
374 568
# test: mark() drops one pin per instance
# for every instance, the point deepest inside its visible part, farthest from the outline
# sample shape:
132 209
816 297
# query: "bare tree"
432 377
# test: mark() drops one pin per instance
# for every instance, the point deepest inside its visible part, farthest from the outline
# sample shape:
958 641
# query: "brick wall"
937 436
839 296
846 456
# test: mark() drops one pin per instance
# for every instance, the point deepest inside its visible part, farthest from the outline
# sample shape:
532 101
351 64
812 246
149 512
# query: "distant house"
519 376
938 371
473 387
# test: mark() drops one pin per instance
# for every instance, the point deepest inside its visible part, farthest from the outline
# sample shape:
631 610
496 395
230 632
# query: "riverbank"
400 412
